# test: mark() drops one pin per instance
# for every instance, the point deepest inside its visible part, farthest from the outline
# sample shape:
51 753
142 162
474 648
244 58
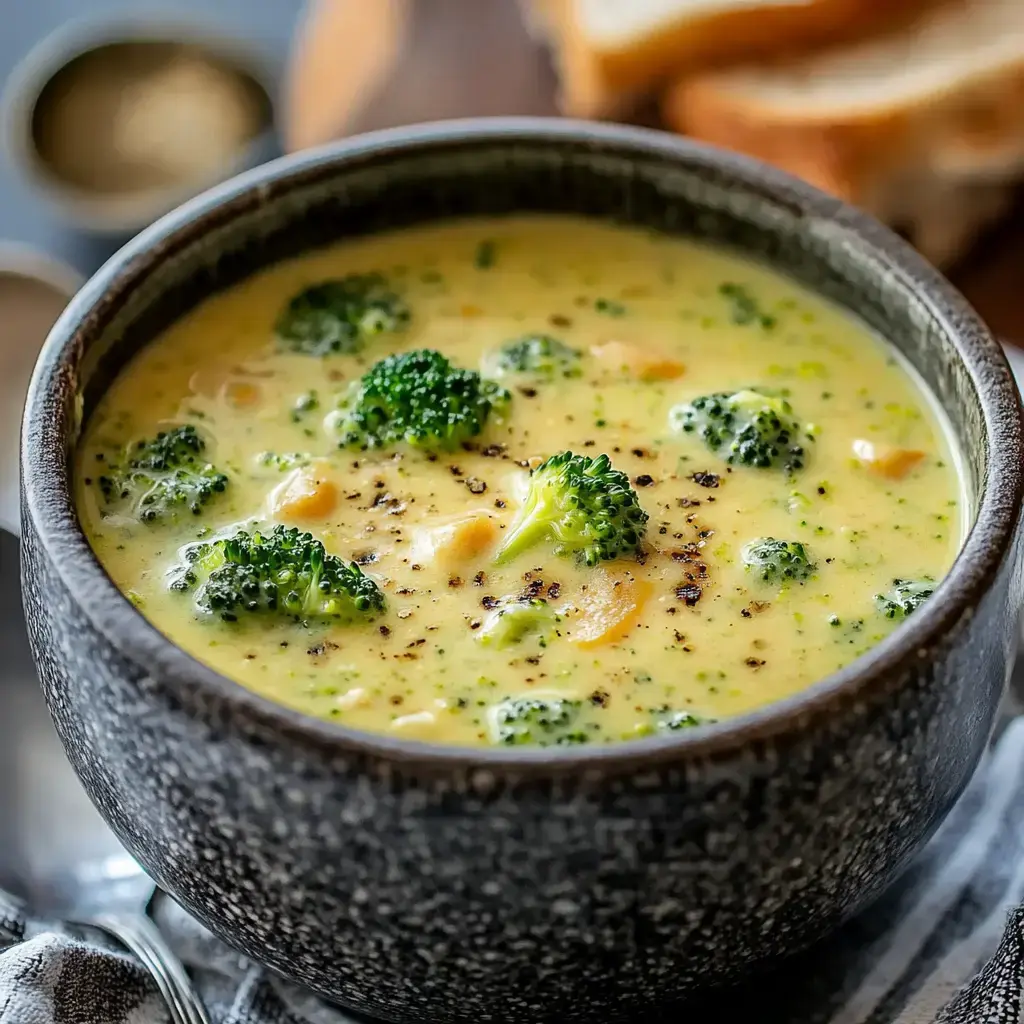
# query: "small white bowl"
43 287
127 212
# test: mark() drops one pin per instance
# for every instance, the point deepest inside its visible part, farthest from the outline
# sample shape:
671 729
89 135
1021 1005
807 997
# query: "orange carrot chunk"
307 494
889 462
644 364
610 607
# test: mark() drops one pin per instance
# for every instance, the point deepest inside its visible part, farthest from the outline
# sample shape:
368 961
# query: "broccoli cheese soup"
524 481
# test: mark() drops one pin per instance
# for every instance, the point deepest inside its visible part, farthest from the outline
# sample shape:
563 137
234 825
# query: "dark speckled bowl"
426 883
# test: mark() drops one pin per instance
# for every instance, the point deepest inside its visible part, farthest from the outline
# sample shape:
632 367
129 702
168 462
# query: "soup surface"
793 518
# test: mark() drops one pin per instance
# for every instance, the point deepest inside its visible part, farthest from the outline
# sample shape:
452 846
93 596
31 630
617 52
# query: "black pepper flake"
679 638
455 581
455 470
499 503
589 444
688 592
415 567
492 451
397 699
641 453
353 496
754 663
600 698
379 484
705 479
746 613
533 659
475 485
644 480
478 579
321 648
554 590
821 490
417 643
384 631
662 529
558 320
475 624
528 392
489 602
404 591
365 557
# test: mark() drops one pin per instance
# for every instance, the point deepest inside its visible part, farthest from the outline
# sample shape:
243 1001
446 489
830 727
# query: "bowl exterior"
419 885
469 895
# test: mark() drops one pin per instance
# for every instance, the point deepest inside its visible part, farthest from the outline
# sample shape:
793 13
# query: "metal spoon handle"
142 938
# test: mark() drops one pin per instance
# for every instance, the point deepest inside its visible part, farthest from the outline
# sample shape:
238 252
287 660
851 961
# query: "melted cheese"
685 633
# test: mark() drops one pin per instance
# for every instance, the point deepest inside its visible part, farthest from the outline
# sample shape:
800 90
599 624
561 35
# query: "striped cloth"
945 946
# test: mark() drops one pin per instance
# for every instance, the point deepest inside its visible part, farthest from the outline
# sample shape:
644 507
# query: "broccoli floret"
420 399
163 477
537 355
283 461
513 623
581 504
779 561
340 315
541 721
747 428
284 571
905 597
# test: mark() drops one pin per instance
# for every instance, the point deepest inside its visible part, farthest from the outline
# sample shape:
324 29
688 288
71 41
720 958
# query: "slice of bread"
610 53
923 127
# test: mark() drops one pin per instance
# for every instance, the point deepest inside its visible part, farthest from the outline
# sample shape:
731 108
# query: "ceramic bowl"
419 883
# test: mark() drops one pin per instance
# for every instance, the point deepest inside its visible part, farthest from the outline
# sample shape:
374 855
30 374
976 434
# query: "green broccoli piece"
417 398
779 561
283 461
536 355
541 721
586 508
905 597
744 308
747 428
163 477
284 571
340 315
668 720
513 623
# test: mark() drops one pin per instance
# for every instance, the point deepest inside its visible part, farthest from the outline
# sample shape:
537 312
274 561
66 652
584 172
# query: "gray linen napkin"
944 946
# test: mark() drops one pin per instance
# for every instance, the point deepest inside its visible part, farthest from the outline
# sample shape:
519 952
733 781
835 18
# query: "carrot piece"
240 393
465 539
635 361
891 463
307 494
611 606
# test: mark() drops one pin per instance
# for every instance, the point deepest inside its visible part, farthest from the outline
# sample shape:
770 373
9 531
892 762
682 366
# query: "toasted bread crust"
972 133
939 169
598 82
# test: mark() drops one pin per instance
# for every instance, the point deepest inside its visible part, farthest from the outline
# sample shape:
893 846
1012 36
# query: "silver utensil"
56 853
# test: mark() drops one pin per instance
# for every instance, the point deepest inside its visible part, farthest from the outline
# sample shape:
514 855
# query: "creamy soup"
342 484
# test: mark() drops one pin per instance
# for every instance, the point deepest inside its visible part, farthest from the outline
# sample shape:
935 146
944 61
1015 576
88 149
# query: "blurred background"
914 109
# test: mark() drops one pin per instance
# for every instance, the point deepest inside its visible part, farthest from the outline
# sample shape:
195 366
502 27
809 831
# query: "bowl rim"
121 212
48 498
